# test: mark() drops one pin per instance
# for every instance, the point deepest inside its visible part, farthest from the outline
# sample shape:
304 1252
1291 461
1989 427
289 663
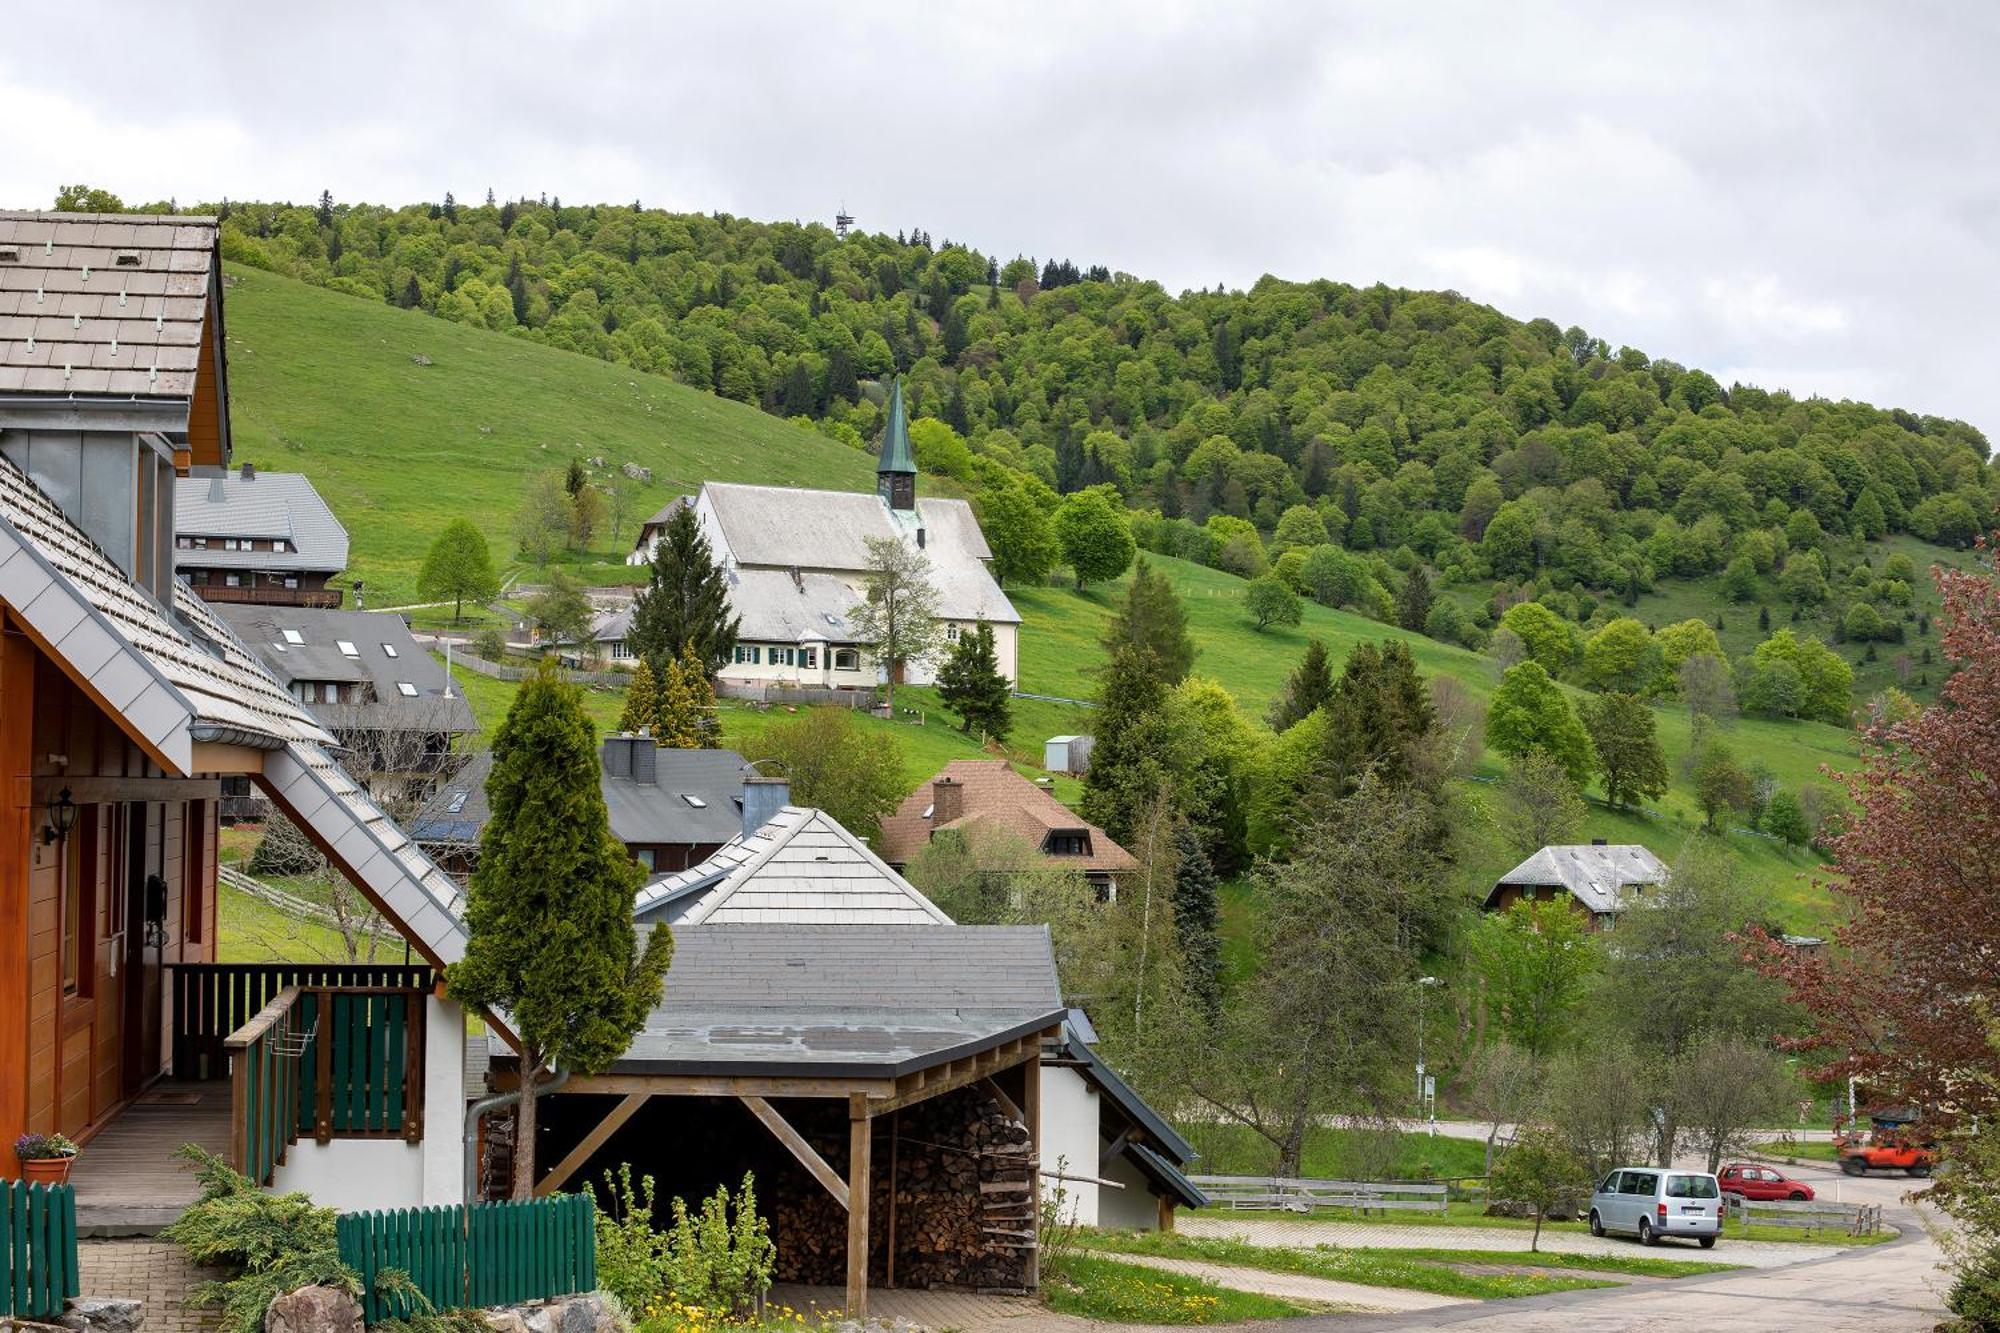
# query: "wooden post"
415 1028
323 1066
858 1127
1031 1116
1166 1213
895 1132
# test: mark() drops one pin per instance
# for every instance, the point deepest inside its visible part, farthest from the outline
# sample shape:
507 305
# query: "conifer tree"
552 939
971 685
1129 762
1413 602
1309 686
701 699
678 714
686 601
642 702
1197 917
1377 714
1152 618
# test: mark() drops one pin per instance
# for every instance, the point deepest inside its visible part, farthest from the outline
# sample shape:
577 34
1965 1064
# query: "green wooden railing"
464 1258
38 1271
212 1000
325 1064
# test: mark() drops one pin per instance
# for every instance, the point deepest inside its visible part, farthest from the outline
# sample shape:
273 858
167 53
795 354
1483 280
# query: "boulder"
99 1314
314 1310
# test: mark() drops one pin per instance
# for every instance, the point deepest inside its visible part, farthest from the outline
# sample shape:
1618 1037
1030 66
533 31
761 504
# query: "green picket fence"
37 1249
488 1254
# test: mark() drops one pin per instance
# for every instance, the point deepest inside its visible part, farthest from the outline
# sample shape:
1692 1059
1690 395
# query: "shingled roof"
103 304
272 505
1595 873
993 795
384 656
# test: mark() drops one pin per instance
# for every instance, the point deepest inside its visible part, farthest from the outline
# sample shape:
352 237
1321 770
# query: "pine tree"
1128 762
552 939
324 214
1413 603
971 685
1153 619
1309 686
1377 714
517 288
1764 619
642 702
1197 917
413 295
686 601
678 712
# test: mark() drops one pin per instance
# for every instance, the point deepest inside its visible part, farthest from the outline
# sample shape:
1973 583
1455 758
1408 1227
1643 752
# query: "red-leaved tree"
1902 999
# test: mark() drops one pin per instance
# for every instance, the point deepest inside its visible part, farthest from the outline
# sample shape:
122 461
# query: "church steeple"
896 468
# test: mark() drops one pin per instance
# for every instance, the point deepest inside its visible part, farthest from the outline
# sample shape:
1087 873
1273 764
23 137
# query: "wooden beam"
795 1142
859 1130
725 1085
960 1073
1166 1213
602 1130
999 1094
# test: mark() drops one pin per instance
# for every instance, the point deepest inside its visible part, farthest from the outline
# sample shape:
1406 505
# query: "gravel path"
1389 1235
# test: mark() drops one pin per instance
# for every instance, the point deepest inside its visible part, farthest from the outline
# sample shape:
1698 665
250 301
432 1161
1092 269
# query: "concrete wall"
1069 1131
355 1174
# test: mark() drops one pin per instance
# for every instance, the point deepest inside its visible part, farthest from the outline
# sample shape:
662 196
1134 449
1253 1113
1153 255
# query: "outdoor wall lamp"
62 818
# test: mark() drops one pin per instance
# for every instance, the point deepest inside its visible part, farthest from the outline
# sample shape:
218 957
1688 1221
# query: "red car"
1753 1181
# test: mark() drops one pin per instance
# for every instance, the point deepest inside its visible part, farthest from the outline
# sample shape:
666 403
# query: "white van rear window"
1691 1187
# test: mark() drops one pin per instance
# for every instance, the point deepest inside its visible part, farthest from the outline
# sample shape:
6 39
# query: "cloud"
1728 189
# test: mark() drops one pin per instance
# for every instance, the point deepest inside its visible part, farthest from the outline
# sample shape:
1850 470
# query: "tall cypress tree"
642 702
552 943
1197 917
971 685
686 601
1153 619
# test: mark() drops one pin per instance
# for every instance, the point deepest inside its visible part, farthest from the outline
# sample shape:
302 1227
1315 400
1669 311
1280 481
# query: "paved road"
1297 1233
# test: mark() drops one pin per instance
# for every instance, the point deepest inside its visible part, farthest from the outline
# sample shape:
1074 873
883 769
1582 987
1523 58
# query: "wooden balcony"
322 598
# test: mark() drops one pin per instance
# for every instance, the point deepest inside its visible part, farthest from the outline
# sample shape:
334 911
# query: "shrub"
271 1243
631 1256
717 1261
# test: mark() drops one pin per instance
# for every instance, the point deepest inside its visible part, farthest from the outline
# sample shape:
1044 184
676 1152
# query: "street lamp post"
1424 1111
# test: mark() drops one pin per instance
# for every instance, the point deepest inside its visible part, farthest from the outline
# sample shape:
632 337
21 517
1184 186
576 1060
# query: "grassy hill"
332 386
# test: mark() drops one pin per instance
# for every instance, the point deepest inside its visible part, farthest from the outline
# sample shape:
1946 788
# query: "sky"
1796 195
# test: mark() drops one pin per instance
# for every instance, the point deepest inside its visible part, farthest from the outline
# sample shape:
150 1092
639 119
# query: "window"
407 690
76 908
620 649
809 658
232 581
347 649
201 543
846 659
1690 1187
291 582
644 856
1067 844
951 633
783 656
194 888
293 636
388 650
747 652
184 543
694 802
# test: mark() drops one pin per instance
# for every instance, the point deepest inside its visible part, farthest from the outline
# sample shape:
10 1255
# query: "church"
797 565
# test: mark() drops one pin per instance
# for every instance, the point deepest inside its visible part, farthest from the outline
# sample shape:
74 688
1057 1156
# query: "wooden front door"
145 859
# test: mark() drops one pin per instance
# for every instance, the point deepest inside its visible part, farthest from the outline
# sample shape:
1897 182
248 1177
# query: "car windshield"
1690 1187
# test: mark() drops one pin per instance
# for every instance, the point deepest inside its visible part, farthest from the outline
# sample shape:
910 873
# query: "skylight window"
457 803
694 801
293 636
388 650
347 649
407 690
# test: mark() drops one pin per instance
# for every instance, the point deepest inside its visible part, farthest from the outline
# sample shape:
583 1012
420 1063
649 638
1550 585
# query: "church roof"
897 456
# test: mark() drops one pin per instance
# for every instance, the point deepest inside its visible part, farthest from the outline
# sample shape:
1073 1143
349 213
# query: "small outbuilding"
1067 754
1599 879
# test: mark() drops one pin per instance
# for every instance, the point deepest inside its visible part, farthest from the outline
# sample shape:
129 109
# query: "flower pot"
47 1170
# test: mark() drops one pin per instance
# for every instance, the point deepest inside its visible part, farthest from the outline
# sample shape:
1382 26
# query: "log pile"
964 1201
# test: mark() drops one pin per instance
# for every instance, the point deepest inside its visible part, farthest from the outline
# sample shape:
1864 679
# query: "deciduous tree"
1095 536
1539 805
458 566
855 775
1529 712
1023 540
1629 758
1271 601
1536 961
898 622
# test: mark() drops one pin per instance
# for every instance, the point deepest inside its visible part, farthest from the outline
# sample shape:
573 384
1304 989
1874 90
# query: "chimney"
762 799
618 755
645 761
947 801
249 472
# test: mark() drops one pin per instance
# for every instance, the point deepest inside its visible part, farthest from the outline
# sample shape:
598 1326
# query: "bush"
719 1262
271 1243
491 644
1975 1297
631 1256
283 850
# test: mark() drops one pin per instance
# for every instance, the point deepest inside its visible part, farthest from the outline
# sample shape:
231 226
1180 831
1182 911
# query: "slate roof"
993 795
1594 874
800 868
319 658
266 504
844 1001
103 304
641 813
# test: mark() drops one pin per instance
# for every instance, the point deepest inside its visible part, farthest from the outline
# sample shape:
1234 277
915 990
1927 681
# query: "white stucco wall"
1134 1208
353 1174
1069 1135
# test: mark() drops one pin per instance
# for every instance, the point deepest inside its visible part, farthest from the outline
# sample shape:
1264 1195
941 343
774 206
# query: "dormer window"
1067 842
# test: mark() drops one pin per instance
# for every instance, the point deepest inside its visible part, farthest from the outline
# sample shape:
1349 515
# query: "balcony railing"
213 1000
325 598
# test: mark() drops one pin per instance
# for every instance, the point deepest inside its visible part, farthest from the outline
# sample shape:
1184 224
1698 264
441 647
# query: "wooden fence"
212 1000
1301 1195
463 1257
1855 1219
38 1270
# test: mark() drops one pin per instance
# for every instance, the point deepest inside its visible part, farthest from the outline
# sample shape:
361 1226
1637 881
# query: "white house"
797 563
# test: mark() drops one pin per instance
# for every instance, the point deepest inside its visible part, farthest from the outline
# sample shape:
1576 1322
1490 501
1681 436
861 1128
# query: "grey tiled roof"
1594 874
641 813
108 304
851 1001
319 658
268 504
801 868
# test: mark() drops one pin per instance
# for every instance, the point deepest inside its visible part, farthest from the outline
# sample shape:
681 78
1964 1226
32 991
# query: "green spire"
896 452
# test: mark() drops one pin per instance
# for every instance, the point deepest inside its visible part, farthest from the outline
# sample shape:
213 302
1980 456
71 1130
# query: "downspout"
494 1103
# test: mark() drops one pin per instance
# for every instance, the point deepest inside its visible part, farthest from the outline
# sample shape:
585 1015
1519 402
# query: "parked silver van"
1650 1202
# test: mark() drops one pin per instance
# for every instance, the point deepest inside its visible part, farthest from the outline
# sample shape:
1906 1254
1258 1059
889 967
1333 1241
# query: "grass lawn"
1434 1271
1098 1288
1800 1152
1471 1213
1337 1154
249 930
330 385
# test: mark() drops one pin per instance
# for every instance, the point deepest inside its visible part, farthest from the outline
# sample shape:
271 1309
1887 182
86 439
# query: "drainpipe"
480 1108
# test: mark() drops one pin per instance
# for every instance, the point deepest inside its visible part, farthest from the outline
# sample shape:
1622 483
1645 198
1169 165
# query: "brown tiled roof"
993 795
103 303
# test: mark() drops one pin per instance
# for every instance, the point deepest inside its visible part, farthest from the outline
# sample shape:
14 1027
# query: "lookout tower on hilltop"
842 221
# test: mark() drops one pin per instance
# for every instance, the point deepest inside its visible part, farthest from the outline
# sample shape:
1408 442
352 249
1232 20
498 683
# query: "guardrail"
1855 1219
1303 1195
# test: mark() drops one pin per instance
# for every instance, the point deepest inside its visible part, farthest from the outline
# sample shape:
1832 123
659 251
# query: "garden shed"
1067 754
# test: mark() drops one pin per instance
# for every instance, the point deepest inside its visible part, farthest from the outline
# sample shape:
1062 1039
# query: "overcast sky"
1796 195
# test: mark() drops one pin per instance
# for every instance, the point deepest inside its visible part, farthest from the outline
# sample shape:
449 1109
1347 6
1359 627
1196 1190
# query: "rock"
421 359
314 1310
100 1314
504 1321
